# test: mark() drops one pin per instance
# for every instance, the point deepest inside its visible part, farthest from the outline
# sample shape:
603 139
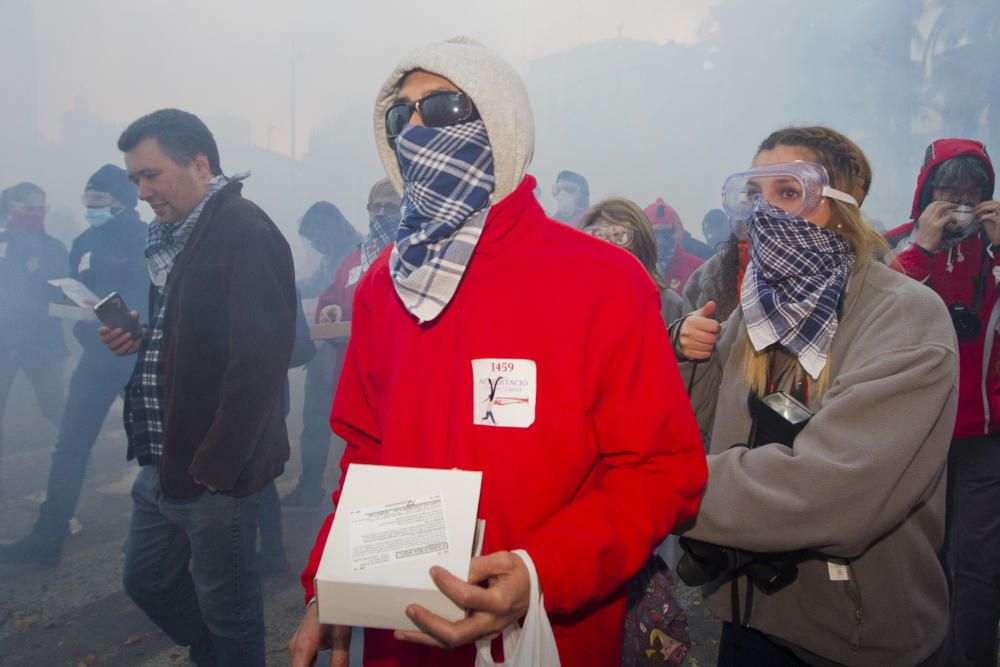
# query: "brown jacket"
228 334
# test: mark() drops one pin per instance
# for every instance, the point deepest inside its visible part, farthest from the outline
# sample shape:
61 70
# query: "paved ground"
77 615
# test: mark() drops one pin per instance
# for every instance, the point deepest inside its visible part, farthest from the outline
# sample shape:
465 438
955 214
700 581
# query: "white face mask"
961 218
98 216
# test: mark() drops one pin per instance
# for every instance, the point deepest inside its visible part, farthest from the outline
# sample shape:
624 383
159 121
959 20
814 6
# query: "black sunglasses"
439 109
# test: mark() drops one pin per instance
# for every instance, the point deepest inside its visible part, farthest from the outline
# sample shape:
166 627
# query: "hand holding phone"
115 316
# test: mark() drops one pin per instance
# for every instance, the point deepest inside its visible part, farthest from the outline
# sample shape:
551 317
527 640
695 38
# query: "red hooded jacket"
681 265
953 274
612 459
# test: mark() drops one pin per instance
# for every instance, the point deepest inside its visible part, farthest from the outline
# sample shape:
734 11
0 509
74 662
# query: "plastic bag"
531 644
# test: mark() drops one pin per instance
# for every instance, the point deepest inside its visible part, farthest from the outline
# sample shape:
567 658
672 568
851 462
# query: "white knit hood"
495 88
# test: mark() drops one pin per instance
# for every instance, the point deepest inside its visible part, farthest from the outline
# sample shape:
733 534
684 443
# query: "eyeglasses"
439 109
617 234
383 207
958 195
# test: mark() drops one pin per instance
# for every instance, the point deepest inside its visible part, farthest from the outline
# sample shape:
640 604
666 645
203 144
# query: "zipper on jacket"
854 594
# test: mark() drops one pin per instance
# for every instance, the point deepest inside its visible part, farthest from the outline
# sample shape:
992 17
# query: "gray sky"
124 58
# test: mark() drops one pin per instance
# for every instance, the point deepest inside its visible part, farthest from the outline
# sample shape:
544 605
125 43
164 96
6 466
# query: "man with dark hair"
204 408
107 257
952 245
572 193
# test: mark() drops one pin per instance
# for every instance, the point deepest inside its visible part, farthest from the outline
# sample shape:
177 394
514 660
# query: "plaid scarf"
165 240
793 285
380 231
447 182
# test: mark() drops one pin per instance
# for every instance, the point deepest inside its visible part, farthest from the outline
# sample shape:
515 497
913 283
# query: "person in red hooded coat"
950 245
673 262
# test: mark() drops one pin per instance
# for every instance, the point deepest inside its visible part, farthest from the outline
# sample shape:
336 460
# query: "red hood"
938 152
662 214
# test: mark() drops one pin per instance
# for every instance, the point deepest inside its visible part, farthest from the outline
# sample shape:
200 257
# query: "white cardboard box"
393 524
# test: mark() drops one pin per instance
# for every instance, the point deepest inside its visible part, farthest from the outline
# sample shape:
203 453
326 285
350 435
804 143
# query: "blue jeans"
215 606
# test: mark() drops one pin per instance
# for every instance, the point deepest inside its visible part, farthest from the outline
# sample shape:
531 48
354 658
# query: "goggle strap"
839 195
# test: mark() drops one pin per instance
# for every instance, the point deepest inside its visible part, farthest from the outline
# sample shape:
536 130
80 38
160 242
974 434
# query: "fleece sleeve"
651 472
354 419
259 347
871 453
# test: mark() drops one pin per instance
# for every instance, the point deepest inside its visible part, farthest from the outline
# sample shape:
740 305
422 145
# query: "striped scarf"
447 183
793 285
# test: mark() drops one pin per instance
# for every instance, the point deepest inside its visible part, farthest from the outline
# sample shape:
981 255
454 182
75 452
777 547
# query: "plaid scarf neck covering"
165 240
447 181
793 284
380 231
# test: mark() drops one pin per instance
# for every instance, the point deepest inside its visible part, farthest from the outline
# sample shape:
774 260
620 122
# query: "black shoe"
302 496
33 548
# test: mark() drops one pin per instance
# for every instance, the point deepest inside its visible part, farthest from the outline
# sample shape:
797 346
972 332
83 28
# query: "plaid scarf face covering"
793 285
447 182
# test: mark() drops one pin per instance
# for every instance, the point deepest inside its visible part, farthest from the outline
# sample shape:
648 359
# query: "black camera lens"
966 323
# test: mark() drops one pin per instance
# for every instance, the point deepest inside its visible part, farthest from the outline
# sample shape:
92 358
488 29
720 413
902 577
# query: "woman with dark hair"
621 222
30 340
833 391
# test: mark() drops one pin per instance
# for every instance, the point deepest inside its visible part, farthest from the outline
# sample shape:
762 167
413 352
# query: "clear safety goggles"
795 189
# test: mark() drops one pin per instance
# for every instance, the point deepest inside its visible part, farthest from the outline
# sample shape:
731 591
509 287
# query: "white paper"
76 291
384 534
838 571
84 264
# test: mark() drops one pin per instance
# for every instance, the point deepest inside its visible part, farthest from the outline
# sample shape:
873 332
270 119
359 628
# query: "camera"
966 322
703 563
777 417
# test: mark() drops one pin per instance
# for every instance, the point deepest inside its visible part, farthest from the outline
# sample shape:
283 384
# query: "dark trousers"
755 649
46 375
321 375
973 550
98 379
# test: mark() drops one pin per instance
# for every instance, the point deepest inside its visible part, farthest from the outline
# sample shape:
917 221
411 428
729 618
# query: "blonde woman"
621 222
833 388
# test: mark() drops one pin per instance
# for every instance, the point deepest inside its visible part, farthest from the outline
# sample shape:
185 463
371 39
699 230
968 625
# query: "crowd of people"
808 404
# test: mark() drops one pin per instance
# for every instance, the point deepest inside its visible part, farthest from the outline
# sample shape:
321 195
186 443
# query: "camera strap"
985 271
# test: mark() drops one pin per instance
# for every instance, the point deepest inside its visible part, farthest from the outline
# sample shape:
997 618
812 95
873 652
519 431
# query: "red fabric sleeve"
914 263
652 473
354 397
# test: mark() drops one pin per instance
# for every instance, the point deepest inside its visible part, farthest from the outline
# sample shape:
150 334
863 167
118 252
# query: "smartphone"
112 312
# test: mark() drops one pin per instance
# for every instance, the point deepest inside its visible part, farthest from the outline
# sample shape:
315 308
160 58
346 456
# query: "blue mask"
98 216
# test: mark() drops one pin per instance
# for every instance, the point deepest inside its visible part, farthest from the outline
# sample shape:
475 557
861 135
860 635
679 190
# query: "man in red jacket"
672 261
951 245
601 459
